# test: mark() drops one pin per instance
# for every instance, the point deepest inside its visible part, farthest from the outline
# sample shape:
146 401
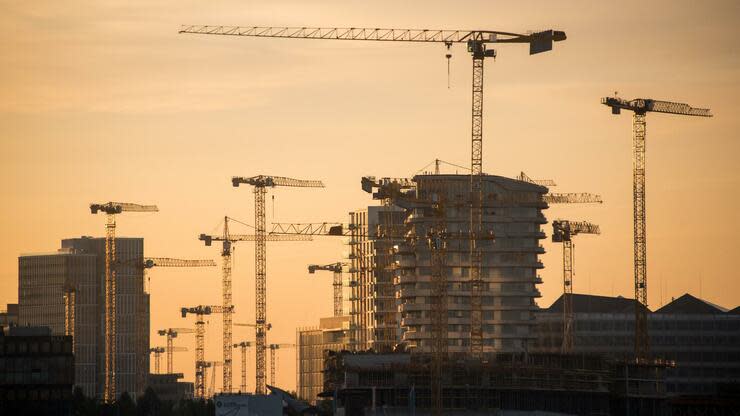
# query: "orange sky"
105 101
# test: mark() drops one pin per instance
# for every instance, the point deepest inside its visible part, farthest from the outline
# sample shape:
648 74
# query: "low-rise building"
331 335
702 339
36 372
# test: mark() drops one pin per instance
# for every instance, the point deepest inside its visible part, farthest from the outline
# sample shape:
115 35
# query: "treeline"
146 405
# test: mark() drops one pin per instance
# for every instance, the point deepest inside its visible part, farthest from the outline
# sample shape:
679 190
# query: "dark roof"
595 304
688 304
735 311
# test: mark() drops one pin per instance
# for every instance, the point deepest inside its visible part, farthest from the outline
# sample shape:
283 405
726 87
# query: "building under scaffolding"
512 214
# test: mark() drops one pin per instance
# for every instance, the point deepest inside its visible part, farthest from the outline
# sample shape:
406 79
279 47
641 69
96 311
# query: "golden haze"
105 101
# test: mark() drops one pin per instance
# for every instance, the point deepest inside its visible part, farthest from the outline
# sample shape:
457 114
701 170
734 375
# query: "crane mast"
640 107
171 334
562 232
200 333
109 359
243 349
260 184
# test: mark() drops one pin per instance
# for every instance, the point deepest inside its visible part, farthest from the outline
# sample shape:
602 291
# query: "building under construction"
512 212
64 291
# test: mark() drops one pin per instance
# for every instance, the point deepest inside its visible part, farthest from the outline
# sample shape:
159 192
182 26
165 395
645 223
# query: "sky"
106 101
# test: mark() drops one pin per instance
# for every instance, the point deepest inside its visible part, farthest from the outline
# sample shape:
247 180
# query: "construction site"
436 295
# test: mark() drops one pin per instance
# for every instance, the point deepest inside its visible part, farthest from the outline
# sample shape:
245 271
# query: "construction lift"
336 269
200 332
640 107
562 232
171 334
260 184
227 239
111 209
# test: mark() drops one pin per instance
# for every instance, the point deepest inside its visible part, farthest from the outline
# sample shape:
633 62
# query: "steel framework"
260 184
640 107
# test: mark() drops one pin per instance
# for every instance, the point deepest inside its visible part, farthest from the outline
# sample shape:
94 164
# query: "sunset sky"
106 101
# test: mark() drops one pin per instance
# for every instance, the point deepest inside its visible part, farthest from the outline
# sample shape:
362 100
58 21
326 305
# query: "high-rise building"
65 292
512 216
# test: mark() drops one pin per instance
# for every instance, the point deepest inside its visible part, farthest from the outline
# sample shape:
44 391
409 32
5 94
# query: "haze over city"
105 101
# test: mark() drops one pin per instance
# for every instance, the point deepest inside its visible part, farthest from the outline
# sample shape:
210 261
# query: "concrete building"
703 339
399 384
331 335
79 268
43 281
374 313
36 372
512 212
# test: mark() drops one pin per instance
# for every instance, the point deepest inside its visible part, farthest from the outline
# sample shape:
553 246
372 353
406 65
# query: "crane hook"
448 55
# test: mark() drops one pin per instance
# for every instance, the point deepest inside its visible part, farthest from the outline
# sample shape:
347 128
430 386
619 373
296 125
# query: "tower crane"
640 107
171 334
243 349
477 42
227 239
260 184
111 209
200 332
336 269
562 232
158 355
273 348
